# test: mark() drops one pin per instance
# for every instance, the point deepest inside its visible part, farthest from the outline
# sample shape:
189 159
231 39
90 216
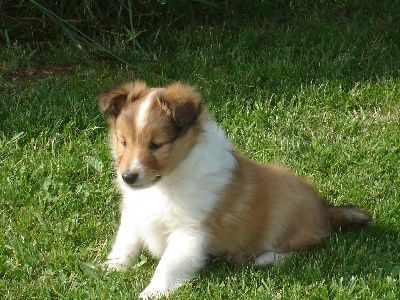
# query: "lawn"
313 87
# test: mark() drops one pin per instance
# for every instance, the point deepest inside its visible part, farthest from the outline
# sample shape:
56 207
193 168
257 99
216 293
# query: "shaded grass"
316 92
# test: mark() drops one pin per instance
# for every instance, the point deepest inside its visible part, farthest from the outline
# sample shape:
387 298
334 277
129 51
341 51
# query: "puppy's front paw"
152 292
115 265
149 295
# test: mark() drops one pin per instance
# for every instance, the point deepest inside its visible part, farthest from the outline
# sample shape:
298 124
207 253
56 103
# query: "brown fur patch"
182 102
170 125
114 99
266 208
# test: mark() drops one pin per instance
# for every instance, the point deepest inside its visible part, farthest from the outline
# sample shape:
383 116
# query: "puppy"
188 193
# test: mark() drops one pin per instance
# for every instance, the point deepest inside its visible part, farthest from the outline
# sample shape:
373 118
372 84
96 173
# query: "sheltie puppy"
188 193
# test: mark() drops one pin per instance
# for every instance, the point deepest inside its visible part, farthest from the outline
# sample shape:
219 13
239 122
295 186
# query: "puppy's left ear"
182 102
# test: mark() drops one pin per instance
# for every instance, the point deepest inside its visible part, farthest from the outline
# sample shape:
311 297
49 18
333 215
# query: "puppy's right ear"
112 100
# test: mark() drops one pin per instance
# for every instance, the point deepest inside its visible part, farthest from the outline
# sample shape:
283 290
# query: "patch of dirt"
28 74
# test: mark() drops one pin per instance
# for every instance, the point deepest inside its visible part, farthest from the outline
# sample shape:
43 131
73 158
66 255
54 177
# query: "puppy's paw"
154 291
151 294
115 265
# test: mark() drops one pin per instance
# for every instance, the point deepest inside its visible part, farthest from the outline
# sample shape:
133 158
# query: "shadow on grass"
345 255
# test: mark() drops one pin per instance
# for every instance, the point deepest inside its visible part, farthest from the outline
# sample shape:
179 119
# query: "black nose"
130 177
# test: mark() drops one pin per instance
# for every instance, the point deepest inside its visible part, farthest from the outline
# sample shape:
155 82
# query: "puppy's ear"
112 100
182 102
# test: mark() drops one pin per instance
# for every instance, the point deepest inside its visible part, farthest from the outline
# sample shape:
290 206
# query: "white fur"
167 217
144 107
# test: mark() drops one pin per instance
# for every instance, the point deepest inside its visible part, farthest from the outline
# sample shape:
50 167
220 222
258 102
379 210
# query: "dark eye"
154 146
123 143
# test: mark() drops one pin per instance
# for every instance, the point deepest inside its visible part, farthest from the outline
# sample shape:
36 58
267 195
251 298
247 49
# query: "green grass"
316 88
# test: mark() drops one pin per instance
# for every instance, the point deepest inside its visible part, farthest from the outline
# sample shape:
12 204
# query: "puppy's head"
151 129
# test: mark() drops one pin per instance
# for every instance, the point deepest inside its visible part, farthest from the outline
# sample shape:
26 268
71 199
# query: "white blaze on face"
143 110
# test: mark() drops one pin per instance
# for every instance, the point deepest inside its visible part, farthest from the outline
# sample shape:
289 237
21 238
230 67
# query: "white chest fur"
183 199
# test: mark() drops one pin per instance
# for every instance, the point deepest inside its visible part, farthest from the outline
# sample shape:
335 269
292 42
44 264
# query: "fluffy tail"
346 217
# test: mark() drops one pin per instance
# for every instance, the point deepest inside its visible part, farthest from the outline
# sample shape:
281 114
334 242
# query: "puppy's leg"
267 259
182 258
239 258
127 247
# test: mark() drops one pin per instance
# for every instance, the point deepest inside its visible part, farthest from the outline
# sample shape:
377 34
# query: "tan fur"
177 104
266 208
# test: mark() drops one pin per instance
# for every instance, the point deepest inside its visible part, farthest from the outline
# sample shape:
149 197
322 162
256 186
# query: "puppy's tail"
346 217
